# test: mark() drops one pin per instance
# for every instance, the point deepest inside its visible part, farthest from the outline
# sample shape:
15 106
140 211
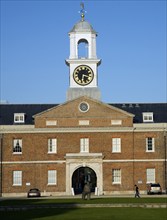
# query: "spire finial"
82 11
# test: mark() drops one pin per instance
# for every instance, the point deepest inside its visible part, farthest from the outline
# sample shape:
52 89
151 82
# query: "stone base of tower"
74 93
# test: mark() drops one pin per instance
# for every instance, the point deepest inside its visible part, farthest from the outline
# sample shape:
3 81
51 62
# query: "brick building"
59 147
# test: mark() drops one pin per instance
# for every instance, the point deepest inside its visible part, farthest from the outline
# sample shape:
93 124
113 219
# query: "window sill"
116 183
84 152
17 153
116 152
51 184
52 152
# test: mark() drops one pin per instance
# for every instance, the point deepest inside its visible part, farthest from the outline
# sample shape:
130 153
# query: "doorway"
81 176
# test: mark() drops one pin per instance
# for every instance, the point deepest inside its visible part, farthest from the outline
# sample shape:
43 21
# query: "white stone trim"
51 122
83 122
135 160
80 157
150 125
84 154
116 122
74 163
31 129
34 162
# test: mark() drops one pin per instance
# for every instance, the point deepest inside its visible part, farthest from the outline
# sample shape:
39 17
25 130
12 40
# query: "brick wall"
35 160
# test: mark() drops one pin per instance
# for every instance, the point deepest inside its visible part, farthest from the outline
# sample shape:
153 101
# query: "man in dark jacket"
137 192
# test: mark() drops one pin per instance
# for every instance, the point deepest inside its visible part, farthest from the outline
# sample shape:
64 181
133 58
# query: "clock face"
83 75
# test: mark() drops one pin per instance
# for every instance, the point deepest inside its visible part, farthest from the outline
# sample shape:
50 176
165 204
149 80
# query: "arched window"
17 147
82 48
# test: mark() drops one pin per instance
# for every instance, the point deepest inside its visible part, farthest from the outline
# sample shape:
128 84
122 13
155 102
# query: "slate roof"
7 111
159 111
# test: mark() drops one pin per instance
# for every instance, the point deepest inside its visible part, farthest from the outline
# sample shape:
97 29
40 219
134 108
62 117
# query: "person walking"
137 194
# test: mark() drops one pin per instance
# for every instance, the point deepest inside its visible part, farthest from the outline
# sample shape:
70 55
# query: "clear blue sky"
131 43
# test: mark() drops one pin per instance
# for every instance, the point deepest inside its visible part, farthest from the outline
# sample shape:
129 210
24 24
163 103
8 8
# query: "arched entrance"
81 176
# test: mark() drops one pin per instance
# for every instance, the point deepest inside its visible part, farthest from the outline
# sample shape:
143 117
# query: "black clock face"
83 75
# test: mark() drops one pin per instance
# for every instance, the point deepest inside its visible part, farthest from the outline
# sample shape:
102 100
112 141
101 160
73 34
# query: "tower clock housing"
83 62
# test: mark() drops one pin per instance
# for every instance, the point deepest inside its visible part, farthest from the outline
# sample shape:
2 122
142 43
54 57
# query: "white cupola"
83 61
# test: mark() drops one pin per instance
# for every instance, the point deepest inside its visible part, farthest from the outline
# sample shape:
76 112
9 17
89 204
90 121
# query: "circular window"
84 107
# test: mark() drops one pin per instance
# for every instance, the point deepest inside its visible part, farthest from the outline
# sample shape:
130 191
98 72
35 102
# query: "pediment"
83 108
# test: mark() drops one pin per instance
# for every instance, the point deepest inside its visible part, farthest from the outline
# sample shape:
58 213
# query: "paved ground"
92 196
28 207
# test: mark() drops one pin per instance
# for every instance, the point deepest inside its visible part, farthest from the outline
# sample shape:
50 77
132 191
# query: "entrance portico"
78 160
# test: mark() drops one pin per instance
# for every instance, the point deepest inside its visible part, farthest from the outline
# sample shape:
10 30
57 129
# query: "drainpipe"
165 146
133 155
1 144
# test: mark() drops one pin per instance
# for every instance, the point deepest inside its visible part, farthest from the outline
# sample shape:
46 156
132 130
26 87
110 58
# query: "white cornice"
79 129
16 128
150 127
64 161
83 61
83 155
34 162
135 160
6 129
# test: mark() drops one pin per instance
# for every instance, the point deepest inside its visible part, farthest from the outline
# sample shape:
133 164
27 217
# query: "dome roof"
83 26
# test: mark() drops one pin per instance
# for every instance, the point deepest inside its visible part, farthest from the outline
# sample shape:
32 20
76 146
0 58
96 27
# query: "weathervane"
82 11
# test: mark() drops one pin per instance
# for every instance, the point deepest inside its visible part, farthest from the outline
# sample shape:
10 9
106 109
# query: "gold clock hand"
85 76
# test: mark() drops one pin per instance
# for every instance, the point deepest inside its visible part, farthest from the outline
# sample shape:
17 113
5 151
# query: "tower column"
93 52
73 49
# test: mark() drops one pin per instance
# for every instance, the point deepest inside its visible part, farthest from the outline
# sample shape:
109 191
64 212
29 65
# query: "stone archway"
76 161
81 176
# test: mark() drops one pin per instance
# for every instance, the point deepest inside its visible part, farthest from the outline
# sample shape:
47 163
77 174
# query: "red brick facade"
68 128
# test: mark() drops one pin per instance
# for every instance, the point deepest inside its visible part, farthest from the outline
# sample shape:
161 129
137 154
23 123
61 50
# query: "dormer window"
19 117
147 116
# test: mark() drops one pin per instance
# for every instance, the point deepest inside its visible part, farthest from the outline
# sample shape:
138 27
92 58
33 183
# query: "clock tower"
83 62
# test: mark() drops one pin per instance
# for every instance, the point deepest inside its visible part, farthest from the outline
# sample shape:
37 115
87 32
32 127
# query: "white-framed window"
52 177
17 146
17 178
84 145
116 176
148 117
150 172
52 145
150 144
116 145
19 117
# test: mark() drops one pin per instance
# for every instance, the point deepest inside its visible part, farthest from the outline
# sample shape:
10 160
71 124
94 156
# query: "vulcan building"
57 148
